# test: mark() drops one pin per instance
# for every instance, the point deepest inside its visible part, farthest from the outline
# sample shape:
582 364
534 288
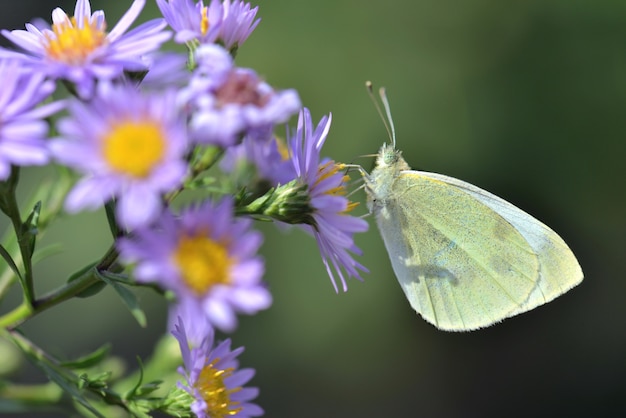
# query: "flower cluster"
143 127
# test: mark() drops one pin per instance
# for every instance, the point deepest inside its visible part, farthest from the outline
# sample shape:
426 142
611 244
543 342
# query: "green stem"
12 210
41 358
52 193
208 156
28 347
17 315
81 283
202 159
78 285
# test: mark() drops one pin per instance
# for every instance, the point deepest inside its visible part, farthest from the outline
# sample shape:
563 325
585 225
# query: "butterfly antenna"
388 125
383 98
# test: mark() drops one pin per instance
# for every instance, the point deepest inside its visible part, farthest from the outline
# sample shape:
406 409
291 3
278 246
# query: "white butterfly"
464 257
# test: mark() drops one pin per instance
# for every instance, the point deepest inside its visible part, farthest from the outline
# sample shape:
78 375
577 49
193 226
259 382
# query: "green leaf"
63 378
90 359
131 393
148 388
119 278
7 257
67 385
109 208
29 227
93 289
128 297
79 273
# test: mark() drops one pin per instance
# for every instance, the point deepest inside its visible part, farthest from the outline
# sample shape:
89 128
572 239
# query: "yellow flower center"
329 169
134 148
204 20
72 44
211 386
203 262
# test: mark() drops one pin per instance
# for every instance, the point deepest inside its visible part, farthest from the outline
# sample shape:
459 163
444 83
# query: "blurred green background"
523 98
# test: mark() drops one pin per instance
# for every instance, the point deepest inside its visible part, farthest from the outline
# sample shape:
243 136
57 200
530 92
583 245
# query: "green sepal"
177 403
289 203
98 383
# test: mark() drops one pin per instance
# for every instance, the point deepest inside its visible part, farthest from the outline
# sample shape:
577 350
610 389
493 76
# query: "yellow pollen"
204 20
134 148
283 150
351 206
211 386
340 190
327 171
72 44
203 262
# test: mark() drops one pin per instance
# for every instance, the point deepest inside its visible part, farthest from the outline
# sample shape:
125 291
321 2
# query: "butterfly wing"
559 270
466 258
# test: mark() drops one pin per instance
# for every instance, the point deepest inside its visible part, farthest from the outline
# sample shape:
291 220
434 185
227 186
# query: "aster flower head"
79 49
192 21
129 146
227 23
22 126
331 224
238 23
207 258
213 378
230 102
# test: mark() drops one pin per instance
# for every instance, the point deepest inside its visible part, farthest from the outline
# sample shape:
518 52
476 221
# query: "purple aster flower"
213 378
129 146
237 23
207 258
332 227
229 24
22 126
230 102
80 50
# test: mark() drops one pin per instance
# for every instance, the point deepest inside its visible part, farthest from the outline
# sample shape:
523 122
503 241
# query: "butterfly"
464 257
